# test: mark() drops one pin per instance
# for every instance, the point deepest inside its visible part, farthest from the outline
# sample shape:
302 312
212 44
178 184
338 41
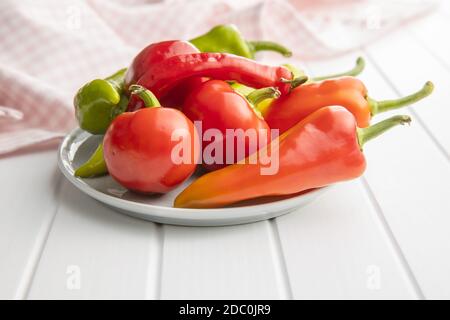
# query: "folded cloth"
49 48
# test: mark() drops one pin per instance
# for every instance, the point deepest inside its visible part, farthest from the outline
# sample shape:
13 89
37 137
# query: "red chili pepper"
348 92
162 77
138 147
155 53
218 107
324 148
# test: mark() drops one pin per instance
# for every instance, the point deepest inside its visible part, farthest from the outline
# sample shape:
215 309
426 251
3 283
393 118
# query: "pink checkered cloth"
49 48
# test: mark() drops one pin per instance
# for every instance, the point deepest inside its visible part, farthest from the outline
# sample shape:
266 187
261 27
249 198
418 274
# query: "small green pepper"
99 101
95 166
227 38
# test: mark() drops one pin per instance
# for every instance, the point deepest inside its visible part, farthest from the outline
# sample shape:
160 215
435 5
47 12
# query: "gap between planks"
155 269
393 241
280 266
26 281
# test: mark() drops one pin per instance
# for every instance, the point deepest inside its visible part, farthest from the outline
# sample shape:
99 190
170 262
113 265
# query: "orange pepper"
324 148
348 92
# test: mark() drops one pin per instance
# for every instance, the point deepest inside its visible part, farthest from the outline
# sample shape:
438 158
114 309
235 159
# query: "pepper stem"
256 46
146 95
356 70
386 105
256 96
373 131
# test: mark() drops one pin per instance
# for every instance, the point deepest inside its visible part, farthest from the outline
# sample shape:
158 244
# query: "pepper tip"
404 119
428 87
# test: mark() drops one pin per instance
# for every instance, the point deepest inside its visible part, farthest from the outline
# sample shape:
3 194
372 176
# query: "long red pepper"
162 77
324 148
151 55
155 53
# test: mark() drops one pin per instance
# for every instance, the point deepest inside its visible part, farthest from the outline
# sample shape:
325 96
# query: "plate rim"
197 215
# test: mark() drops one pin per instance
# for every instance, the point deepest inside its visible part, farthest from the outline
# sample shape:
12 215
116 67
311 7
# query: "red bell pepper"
138 147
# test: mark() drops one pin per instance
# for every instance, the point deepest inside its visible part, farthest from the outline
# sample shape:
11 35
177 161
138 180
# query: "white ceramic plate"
77 147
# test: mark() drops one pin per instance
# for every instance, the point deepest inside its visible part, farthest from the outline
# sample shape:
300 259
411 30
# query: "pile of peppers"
170 86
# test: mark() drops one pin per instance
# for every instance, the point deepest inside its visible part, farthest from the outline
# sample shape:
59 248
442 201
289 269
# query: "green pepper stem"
373 131
356 70
146 95
256 96
387 105
296 81
269 46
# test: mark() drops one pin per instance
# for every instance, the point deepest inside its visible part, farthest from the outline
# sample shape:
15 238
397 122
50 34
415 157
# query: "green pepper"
95 166
99 101
227 38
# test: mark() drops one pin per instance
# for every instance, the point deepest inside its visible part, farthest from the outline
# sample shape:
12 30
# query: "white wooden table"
386 235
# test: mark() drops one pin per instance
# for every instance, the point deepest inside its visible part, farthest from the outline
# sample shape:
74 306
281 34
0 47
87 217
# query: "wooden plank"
94 252
408 173
335 249
28 202
235 262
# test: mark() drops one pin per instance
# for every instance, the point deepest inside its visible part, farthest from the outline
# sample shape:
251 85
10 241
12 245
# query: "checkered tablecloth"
49 48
